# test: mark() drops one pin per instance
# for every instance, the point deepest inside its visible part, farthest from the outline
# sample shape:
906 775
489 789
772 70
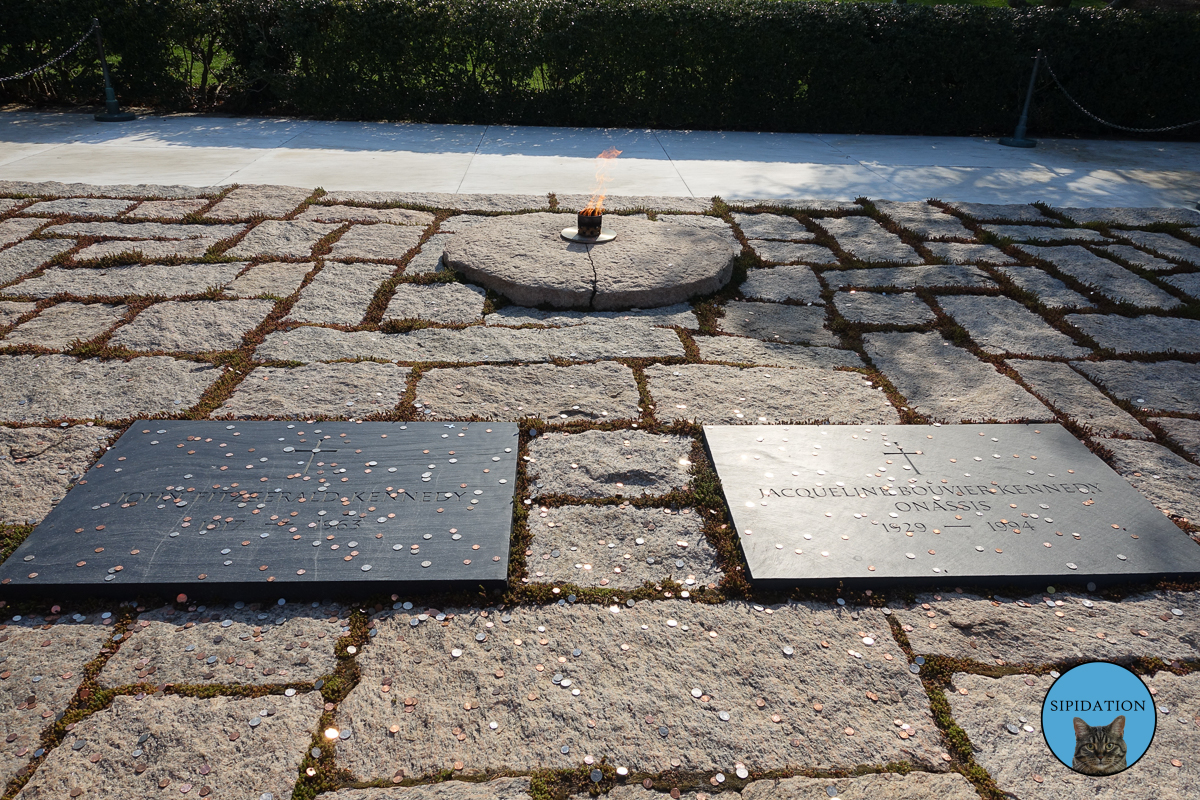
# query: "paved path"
211 151
329 306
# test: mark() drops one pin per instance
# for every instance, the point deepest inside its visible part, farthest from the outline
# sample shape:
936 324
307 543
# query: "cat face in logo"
1100 749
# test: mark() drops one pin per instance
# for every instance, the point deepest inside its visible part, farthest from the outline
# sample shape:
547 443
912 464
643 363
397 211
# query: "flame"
595 205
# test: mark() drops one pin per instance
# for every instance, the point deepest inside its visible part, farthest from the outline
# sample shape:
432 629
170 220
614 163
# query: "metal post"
1018 138
112 111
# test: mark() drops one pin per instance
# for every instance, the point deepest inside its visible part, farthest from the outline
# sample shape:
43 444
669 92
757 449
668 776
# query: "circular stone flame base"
573 235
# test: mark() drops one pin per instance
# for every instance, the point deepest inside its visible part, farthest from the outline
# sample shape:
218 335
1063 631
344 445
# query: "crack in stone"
595 277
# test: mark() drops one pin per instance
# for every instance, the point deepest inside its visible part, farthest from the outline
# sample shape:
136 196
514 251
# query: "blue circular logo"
1098 718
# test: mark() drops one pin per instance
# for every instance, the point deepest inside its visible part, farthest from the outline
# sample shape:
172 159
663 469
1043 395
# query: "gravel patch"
1105 276
147 250
28 256
959 253
11 311
447 303
924 220
751 351
869 308
166 209
395 216
38 465
909 277
1165 245
135 280
1188 283
58 326
1171 386
777 323
773 226
195 326
340 294
380 242
1074 395
1168 481
1000 325
14 230
1185 432
1051 292
782 283
1041 233
1001 212
282 239
1139 258
1145 334
277 279
1133 217
867 240
328 390
78 207
145 230
498 789
253 202
609 463
429 259
679 315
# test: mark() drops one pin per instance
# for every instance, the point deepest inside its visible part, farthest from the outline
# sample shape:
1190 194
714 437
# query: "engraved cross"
900 451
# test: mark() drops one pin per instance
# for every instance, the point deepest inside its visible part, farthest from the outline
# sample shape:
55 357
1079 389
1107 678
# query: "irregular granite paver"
794 204
291 644
1002 325
773 226
340 294
609 463
947 383
329 390
12 310
1184 431
1165 245
867 240
728 395
37 465
751 351
281 239
1132 217
892 786
1044 233
658 717
925 220
193 326
1001 212
166 209
250 202
428 259
908 277
782 283
1188 284
1139 258
576 202
1074 395
960 253
1145 334
1170 482
1172 386
447 303
379 242
136 191
498 789
78 207
1105 276
870 308
1050 291
34 388
459 202
277 279
396 216
791 253
145 230
146 250
57 327
27 256
777 323
679 315
150 280
590 391
1013 761
184 735
8 204
620 547
14 230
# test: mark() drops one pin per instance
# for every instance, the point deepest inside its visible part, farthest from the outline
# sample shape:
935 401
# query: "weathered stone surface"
277 279
58 326
477 343
429 258
166 209
777 323
609 463
924 220
498 789
867 240
908 277
947 383
751 351
1161 386
1165 245
459 202
282 239
396 216
679 315
251 202
1051 292
1188 283
576 203
621 547
1132 217
1074 395
14 230
380 242
715 395
782 283
11 311
1105 276
145 230
447 303
185 734
330 390
654 678
78 207
1139 258
27 256
1044 233
1013 760
773 226
959 253
9 203
914 786
590 391
1185 432
258 647
647 265
150 280
792 253
870 308
147 250
1001 212
1001 325
38 464
714 224
340 294
1167 480
34 388
1144 334
58 666
56 189
461 222
795 204
193 326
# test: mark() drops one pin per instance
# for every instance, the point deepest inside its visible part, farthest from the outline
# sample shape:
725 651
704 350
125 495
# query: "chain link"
1046 61
49 64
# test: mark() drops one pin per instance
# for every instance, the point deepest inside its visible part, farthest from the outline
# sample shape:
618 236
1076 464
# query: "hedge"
770 65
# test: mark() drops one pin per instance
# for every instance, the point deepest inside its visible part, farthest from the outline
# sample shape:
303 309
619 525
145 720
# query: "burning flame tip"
595 205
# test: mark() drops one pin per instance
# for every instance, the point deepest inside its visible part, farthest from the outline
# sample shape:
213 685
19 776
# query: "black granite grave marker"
210 506
869 505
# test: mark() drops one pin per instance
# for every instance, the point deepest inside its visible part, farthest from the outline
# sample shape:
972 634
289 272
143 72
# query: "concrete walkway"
208 150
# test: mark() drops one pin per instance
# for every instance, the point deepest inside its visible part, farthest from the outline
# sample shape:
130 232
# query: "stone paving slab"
147 250
914 786
277 279
679 315
166 209
590 391
281 239
794 203
27 256
14 230
1074 395
193 326
620 548
1013 761
1168 481
460 223
1139 258
576 203
1165 245
1001 325
140 190
947 383
909 277
8 204
81 207
1171 386
867 240
58 326
1041 233
428 259
145 230
340 293
791 253
151 280
782 283
326 390
379 242
869 308
1105 276
1145 334
1001 212
1133 217
1185 432
658 718
777 323
11 311
252 646
498 789
447 303
727 395
396 216
960 253
1188 283
925 220
458 202
37 465
250 202
188 737
1051 292
773 226
751 351
36 388
609 463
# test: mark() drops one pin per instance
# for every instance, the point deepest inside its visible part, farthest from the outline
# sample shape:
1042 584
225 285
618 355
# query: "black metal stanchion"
112 110
1018 138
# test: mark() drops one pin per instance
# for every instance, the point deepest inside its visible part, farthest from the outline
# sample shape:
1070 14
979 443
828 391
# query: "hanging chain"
49 64
1104 122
